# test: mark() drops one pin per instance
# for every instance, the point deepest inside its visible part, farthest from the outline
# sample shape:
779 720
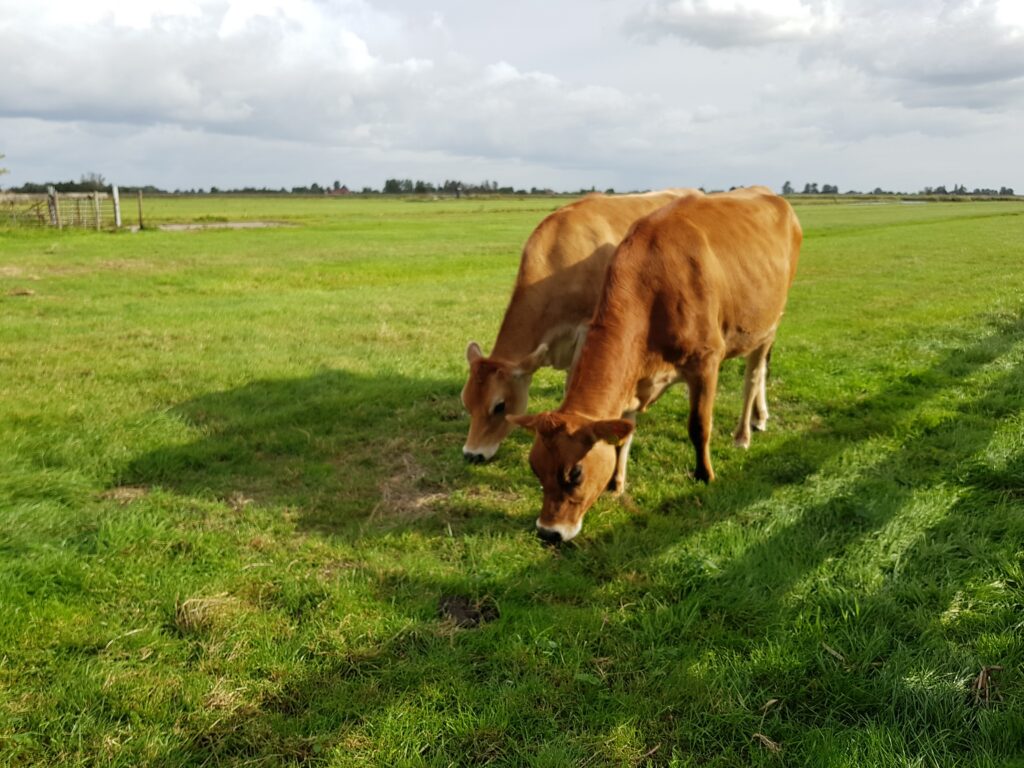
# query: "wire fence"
18 209
86 210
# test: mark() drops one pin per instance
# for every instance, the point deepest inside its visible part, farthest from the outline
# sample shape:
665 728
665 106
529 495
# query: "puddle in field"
195 227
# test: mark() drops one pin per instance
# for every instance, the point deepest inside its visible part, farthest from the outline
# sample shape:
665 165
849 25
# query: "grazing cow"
699 281
557 288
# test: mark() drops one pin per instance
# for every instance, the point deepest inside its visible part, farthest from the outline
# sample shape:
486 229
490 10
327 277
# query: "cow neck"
522 327
604 383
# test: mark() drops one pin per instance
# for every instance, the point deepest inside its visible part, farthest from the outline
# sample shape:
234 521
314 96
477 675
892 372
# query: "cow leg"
702 402
617 484
760 421
753 395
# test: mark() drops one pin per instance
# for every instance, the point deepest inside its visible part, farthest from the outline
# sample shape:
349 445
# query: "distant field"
327 210
232 500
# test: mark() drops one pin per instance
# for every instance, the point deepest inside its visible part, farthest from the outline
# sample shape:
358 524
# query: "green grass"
232 498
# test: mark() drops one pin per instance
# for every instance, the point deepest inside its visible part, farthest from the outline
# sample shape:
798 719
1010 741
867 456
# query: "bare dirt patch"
465 613
401 495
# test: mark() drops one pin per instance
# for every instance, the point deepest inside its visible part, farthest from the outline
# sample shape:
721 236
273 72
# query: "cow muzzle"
556 533
478 455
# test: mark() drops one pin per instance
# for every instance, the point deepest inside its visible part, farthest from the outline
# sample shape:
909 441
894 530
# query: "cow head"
574 458
495 389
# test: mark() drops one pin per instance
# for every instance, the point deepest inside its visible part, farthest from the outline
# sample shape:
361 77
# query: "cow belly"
741 342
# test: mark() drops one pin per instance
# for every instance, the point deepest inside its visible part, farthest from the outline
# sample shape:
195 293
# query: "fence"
90 210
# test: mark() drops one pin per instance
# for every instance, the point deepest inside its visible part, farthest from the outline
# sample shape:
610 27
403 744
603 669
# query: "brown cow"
557 288
699 281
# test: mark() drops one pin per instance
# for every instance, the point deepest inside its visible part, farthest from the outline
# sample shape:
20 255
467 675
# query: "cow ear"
526 421
532 361
614 431
473 352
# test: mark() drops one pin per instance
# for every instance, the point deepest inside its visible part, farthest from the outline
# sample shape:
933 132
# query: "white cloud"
931 53
734 23
960 54
686 92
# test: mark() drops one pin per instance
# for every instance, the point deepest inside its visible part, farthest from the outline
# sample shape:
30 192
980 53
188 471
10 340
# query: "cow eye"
574 477
499 408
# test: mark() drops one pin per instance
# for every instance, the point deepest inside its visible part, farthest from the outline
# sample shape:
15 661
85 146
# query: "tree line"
95 182
811 188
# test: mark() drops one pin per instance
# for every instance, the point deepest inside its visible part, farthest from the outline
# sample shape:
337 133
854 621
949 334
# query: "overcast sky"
630 94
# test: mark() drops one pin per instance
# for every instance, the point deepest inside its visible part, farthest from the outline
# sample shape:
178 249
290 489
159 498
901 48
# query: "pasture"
232 500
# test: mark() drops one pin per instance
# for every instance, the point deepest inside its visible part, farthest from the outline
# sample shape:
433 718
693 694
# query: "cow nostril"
548 535
473 458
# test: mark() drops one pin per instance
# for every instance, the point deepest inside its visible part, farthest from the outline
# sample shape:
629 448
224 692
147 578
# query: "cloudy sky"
629 94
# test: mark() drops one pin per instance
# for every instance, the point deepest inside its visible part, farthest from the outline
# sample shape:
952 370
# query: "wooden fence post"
96 209
117 206
141 225
54 205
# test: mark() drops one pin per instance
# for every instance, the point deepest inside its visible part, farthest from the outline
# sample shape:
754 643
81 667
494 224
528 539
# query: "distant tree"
787 188
1006 191
810 188
829 189
3 170
336 185
93 182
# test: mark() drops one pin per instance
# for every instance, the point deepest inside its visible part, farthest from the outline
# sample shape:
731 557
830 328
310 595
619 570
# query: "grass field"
232 500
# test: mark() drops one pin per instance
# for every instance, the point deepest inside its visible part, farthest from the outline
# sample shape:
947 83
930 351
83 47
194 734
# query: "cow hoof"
741 441
759 426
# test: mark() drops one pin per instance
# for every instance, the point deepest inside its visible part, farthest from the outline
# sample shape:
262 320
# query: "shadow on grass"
338 449
264 438
928 452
